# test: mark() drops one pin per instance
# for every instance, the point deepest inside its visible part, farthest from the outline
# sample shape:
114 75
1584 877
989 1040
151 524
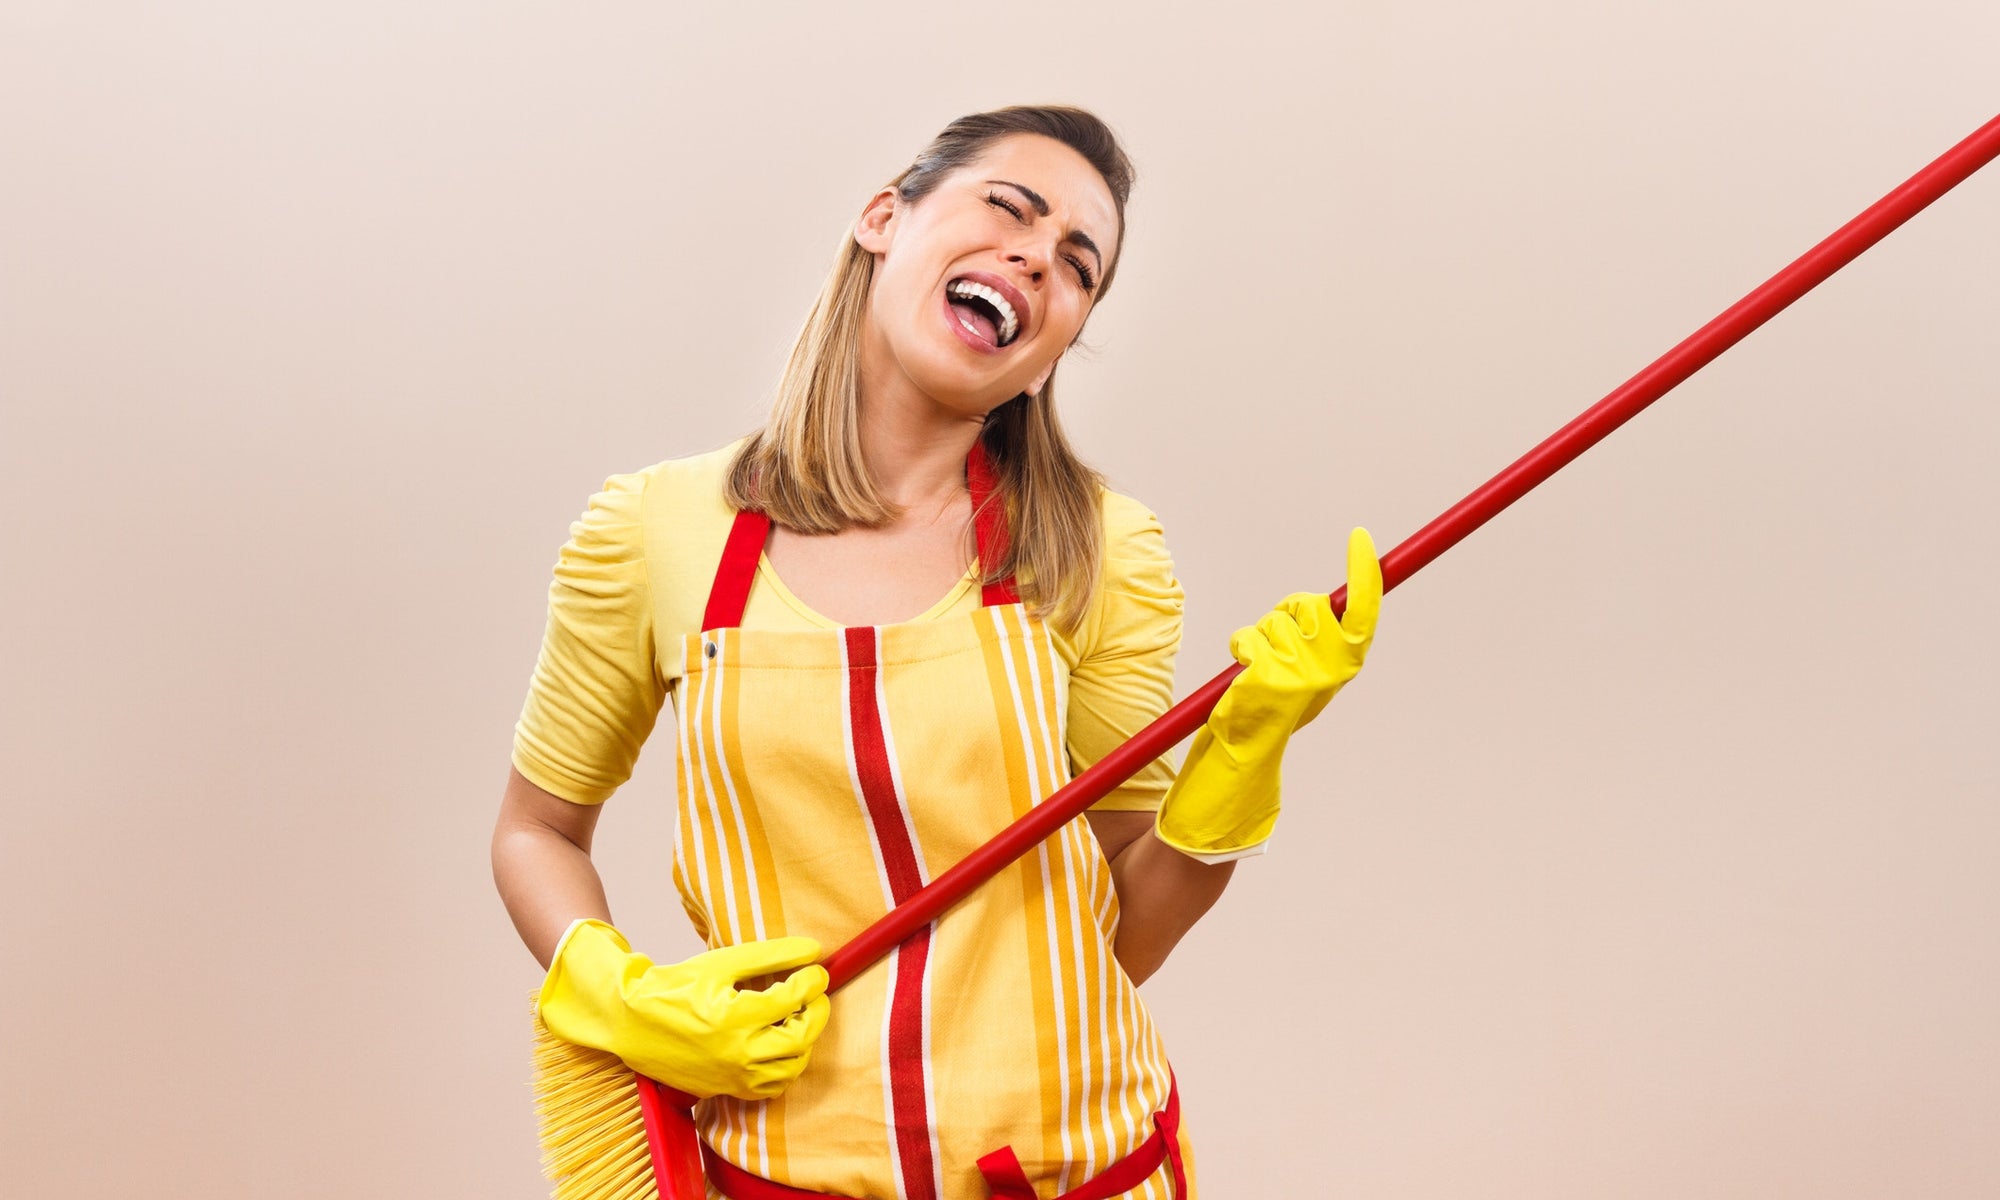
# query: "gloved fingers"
1316 668
792 1036
817 1014
1280 628
1364 587
1310 613
1281 662
777 1055
771 957
1271 652
1247 644
770 1078
783 998
1274 640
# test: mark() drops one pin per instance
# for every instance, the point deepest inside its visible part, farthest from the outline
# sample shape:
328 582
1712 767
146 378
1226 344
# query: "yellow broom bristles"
593 1134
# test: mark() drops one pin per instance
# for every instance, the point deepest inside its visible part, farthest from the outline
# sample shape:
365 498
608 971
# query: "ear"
872 232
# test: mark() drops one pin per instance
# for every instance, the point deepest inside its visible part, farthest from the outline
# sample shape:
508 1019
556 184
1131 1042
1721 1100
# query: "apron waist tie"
1005 1180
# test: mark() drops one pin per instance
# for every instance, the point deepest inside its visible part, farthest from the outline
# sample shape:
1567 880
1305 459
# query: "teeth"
1009 323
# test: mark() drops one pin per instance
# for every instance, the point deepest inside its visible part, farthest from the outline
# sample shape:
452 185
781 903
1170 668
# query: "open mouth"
983 312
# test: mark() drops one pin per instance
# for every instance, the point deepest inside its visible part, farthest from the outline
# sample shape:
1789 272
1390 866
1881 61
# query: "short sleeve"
1124 675
596 690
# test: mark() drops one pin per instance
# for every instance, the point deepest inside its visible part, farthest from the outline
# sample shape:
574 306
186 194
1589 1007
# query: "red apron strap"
731 591
1005 1180
1168 1123
989 525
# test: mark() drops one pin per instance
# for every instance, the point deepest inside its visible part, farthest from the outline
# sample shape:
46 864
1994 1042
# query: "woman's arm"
541 864
594 696
1161 892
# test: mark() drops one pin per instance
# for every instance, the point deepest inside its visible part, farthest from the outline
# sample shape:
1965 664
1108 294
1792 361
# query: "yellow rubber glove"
686 1024
1224 802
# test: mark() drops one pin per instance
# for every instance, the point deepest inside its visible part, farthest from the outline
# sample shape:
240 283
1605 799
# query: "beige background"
1654 856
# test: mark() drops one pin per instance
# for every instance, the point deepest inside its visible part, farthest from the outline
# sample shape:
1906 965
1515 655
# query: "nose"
1031 256
1034 270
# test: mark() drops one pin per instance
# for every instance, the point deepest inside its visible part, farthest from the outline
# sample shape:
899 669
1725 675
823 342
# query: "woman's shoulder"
1135 609
1137 569
1132 532
689 481
670 499
671 515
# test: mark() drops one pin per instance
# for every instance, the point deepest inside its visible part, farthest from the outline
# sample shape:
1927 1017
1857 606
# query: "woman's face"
980 286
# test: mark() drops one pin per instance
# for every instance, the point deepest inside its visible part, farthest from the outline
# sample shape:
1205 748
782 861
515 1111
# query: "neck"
917 458
914 446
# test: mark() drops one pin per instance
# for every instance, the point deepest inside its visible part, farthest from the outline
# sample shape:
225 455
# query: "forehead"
1078 196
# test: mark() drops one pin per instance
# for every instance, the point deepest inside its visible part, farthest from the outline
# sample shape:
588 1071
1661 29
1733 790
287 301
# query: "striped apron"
828 774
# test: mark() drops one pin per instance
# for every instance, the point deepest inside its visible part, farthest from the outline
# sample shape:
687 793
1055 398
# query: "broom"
608 1134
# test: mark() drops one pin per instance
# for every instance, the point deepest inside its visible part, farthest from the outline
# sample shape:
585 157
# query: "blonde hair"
805 469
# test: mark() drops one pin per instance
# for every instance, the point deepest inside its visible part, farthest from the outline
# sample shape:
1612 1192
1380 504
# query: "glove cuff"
1211 857
1221 807
563 941
590 948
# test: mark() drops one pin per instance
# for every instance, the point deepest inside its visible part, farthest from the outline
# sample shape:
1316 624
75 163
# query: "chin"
955 388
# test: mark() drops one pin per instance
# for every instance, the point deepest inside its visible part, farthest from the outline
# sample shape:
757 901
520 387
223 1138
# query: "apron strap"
989 525
1005 1180
731 590
730 593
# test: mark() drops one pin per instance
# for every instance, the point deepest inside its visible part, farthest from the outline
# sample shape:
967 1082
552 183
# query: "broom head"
593 1131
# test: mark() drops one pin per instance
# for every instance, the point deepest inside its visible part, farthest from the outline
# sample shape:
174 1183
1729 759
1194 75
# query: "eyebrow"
1041 208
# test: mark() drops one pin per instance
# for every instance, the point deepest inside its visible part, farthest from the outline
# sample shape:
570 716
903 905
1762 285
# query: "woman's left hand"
1300 654
1224 803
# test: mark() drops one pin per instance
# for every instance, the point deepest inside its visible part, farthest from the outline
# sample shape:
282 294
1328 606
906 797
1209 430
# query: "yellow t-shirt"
634 579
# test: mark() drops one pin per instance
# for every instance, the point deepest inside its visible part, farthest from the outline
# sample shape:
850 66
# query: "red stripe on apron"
908 1055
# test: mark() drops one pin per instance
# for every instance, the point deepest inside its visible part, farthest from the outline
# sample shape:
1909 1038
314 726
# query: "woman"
845 734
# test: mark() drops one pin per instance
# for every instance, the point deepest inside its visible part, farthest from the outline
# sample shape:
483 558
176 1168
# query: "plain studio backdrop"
1653 856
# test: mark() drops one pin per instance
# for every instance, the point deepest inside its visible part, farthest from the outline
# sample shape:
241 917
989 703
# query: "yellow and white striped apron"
826 775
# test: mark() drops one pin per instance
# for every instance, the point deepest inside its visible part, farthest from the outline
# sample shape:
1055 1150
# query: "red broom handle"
1700 348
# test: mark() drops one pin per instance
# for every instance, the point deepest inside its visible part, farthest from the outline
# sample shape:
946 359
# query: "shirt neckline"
769 575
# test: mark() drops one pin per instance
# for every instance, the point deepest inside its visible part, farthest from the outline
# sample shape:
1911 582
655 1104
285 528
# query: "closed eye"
1003 202
1082 269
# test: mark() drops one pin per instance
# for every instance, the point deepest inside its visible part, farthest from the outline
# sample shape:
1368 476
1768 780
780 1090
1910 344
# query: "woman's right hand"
687 1024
